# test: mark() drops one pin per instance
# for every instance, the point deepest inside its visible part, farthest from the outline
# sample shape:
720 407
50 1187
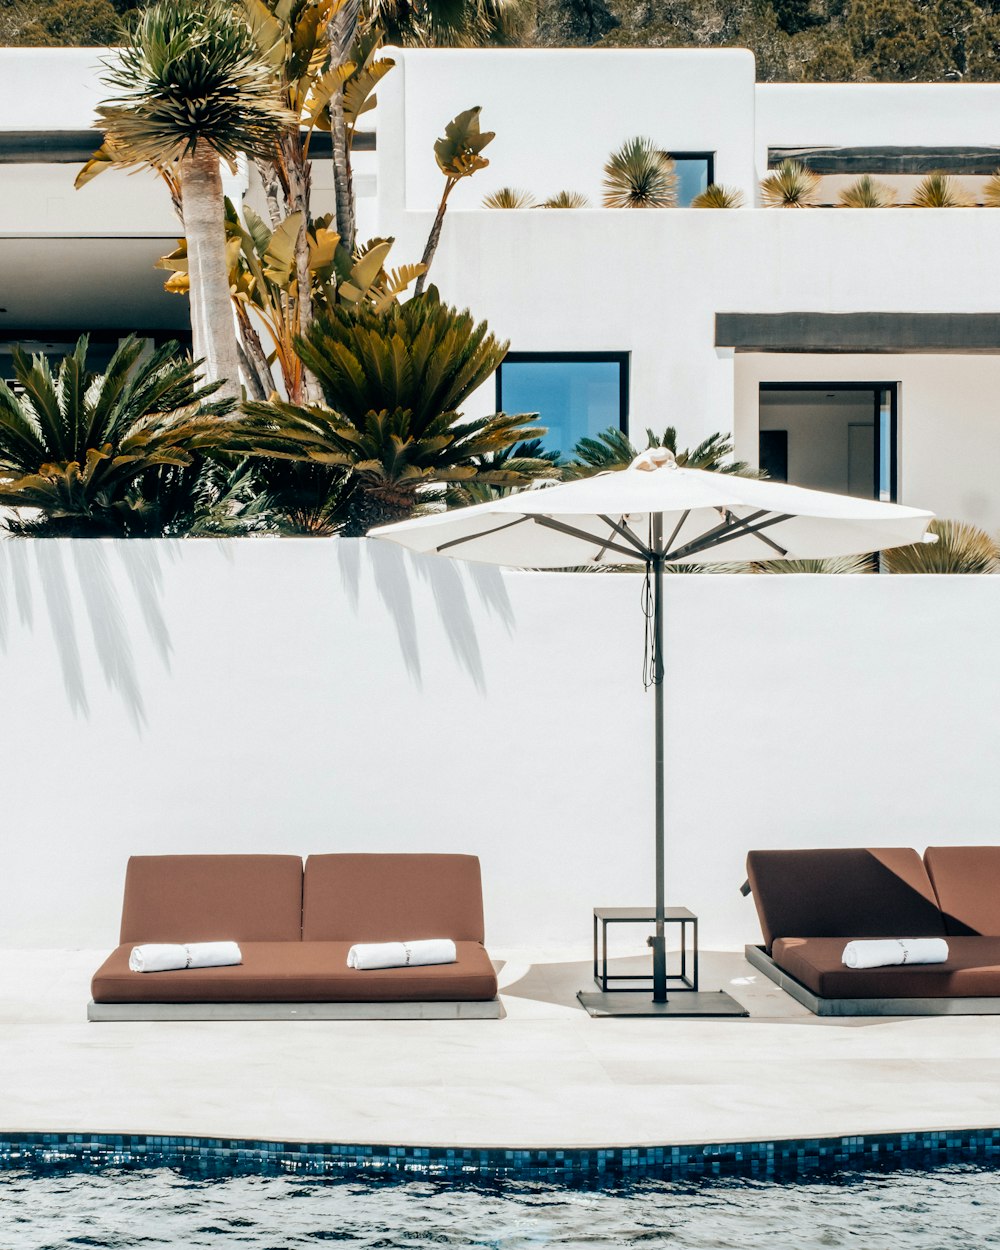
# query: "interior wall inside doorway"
831 437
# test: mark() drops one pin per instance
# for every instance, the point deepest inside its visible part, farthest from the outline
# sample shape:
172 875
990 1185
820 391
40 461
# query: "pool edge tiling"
765 1160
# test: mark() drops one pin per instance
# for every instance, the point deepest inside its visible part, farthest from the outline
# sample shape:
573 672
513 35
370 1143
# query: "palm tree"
612 450
791 185
939 190
717 196
85 448
640 175
192 87
960 548
867 192
394 382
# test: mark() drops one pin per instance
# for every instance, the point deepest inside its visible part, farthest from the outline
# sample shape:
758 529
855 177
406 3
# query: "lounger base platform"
489 1009
758 958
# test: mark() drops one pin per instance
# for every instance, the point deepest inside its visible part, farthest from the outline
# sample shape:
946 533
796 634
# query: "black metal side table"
682 983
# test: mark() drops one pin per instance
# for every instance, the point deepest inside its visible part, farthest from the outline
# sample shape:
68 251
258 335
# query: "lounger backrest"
966 880
849 893
205 898
392 898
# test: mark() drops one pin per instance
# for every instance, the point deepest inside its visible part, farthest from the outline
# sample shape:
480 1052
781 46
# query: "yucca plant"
640 175
791 185
83 448
960 548
717 196
991 191
612 450
940 191
509 197
193 86
867 192
394 384
565 199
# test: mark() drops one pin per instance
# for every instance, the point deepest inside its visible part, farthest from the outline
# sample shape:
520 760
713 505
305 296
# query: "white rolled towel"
368 955
888 952
168 956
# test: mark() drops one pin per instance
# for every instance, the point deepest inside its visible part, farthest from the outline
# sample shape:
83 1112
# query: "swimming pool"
953 1208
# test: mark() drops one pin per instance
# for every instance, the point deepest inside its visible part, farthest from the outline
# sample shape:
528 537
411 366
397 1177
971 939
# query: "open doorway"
836 436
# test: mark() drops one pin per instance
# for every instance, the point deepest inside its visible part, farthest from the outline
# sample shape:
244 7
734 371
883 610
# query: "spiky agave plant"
88 450
867 192
509 197
640 175
716 195
791 185
960 548
565 199
832 564
394 384
991 191
193 85
939 190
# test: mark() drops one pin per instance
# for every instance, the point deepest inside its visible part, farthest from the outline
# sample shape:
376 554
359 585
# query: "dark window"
576 394
695 171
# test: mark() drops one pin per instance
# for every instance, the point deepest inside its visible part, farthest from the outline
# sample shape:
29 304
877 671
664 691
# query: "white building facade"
849 349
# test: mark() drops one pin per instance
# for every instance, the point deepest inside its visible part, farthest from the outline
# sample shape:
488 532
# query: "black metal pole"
659 943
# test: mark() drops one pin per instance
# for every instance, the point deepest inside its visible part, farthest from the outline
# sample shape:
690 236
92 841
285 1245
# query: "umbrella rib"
720 535
677 529
724 527
590 539
455 542
626 533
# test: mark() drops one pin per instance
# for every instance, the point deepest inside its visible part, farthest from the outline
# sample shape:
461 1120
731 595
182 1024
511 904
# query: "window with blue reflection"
694 173
576 395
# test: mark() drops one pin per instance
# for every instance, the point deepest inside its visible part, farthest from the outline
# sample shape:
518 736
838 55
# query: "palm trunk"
212 323
341 35
298 175
433 239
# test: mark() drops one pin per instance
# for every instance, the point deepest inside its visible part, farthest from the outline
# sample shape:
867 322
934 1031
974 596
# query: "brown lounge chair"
295 929
811 903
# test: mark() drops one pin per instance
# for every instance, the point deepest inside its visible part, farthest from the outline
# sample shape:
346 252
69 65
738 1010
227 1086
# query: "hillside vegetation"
793 40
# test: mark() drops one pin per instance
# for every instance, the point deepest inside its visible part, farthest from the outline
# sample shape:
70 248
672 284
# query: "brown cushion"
293 972
392 898
208 898
882 892
972 970
966 880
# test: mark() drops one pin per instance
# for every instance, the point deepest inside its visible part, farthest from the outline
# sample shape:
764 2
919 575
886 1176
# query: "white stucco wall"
315 695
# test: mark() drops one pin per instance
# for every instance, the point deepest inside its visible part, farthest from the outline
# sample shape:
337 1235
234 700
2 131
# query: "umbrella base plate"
679 1006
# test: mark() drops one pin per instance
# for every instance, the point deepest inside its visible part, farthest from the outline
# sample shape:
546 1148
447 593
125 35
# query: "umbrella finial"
655 458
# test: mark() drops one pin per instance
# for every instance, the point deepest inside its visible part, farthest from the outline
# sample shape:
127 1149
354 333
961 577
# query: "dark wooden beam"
888 160
887 332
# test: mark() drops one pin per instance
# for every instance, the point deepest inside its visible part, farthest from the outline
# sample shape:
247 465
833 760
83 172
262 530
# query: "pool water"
953 1207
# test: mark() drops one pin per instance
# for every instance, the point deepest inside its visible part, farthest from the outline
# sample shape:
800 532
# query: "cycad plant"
528 461
193 87
83 448
991 191
960 548
867 192
509 197
565 199
394 384
640 175
939 190
717 196
791 185
612 450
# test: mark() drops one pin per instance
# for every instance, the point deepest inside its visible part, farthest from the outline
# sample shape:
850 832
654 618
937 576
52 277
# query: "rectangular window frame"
875 387
622 359
707 157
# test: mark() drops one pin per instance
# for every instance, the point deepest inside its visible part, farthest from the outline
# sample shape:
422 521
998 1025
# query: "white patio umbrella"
656 513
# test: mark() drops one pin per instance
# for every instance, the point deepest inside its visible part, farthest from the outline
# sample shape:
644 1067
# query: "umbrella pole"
659 943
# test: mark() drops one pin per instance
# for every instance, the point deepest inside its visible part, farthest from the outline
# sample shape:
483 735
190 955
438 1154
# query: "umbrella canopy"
703 517
655 513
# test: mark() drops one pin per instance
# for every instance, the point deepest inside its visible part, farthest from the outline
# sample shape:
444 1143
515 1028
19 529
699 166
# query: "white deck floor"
547 1075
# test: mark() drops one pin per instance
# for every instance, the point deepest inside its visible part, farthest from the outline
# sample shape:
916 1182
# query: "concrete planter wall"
311 695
